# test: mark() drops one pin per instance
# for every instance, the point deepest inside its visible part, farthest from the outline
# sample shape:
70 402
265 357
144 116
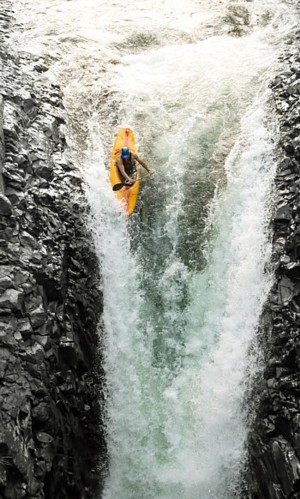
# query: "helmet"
125 152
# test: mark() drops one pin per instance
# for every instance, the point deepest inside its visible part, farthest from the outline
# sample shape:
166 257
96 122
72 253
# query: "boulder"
12 299
38 317
41 412
283 214
5 206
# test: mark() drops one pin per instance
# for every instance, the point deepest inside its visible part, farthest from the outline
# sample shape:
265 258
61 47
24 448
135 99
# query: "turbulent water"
184 278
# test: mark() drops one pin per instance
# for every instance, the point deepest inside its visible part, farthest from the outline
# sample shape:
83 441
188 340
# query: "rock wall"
51 444
274 441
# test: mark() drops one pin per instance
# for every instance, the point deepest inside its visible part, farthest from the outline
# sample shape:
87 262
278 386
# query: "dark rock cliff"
50 303
274 440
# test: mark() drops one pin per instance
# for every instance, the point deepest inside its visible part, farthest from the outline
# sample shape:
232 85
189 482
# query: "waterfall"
184 278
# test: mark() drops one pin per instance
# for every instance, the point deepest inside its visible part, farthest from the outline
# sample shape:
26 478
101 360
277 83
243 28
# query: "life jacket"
129 166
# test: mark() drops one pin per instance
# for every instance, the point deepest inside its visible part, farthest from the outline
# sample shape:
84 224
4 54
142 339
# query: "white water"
184 278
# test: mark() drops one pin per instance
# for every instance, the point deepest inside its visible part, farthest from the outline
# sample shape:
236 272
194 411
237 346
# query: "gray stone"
287 465
68 353
283 214
37 242
3 474
270 428
12 299
14 179
42 340
41 412
44 438
25 328
34 354
5 283
27 239
6 270
41 68
5 206
2 145
38 317
21 276
44 171
285 290
17 198
293 270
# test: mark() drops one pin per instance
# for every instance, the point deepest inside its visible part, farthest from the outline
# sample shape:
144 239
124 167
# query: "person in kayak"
127 167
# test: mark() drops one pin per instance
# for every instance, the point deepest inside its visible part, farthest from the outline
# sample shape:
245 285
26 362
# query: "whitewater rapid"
184 279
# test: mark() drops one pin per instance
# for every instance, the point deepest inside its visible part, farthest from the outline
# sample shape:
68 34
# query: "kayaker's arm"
121 168
139 160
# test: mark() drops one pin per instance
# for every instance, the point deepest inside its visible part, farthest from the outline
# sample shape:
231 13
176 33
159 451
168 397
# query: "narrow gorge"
155 356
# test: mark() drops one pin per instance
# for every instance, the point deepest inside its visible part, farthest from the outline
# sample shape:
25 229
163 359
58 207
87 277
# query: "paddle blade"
117 187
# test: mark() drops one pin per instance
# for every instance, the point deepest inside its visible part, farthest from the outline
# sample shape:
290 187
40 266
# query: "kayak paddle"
117 187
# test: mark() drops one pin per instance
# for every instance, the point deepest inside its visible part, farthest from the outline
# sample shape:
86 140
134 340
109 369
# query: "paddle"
117 187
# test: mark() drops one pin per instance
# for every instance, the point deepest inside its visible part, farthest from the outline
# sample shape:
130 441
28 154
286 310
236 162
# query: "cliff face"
50 303
274 441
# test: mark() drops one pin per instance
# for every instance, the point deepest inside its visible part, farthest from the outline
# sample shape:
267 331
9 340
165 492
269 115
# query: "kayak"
128 194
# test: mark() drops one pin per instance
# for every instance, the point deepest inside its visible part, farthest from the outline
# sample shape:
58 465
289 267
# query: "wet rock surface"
50 426
274 440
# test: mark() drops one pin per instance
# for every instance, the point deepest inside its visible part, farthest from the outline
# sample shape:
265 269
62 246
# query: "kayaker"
127 167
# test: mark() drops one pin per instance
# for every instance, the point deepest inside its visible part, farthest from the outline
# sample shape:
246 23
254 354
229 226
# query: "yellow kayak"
128 194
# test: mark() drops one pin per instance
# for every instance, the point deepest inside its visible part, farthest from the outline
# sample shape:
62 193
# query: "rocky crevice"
274 440
51 442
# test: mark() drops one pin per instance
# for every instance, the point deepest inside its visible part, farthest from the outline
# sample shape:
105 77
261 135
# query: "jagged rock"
41 68
41 412
44 438
3 476
286 290
286 465
37 317
12 300
293 270
289 149
5 206
5 283
25 328
69 354
14 180
16 198
48 339
2 146
43 170
21 276
27 239
274 440
283 214
269 425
